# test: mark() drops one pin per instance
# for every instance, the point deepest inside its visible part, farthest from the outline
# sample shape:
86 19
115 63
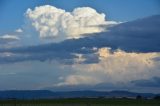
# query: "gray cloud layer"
142 35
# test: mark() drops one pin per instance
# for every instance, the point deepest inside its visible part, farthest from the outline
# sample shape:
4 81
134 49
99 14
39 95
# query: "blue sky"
80 45
12 12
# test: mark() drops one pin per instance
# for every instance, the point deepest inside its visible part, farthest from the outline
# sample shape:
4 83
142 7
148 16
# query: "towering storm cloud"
51 22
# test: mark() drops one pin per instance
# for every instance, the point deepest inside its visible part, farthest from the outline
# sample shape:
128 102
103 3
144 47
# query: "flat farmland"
81 102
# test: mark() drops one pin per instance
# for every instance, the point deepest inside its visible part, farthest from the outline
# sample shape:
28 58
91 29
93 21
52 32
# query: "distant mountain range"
46 94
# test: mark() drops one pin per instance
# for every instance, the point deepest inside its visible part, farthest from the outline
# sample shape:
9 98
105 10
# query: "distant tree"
139 97
101 97
124 98
157 97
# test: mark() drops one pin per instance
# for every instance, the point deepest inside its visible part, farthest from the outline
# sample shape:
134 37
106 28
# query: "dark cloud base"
141 36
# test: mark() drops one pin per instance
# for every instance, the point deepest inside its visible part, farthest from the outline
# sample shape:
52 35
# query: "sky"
12 12
64 45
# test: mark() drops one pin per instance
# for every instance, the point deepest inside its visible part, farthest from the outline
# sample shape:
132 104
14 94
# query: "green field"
81 102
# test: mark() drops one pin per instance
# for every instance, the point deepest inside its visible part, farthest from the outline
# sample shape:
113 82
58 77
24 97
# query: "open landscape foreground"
82 102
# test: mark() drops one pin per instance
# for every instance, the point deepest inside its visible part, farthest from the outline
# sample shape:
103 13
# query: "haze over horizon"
80 45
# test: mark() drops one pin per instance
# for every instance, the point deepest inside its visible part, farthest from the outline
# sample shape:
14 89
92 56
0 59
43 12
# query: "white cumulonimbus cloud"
51 22
114 67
